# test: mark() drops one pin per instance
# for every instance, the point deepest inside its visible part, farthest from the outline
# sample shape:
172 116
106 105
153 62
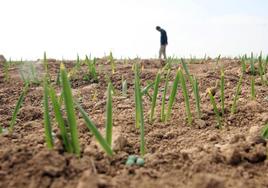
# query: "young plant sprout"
238 90
45 63
91 126
124 86
218 59
260 67
243 59
69 106
252 87
264 133
139 110
197 96
6 71
59 118
216 111
172 96
186 96
47 122
222 91
252 68
1 129
162 117
17 108
185 67
111 59
156 85
109 115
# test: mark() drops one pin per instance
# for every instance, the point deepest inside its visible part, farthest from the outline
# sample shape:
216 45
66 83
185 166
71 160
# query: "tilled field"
178 154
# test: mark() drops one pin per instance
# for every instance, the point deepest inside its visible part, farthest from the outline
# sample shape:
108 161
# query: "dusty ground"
178 155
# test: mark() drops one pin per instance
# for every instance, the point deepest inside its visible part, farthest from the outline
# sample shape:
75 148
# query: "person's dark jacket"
163 38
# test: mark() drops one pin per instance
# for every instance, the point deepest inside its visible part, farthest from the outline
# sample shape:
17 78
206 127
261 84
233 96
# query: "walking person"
163 42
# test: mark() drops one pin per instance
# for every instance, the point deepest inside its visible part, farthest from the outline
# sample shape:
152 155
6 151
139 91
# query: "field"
203 153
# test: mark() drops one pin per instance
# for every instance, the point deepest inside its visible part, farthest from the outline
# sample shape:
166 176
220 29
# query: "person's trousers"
162 51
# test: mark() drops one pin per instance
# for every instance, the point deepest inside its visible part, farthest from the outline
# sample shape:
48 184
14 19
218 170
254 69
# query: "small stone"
140 161
130 162
200 123
132 157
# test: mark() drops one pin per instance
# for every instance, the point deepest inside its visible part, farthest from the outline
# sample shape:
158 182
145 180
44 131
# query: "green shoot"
47 123
261 68
45 63
139 110
238 90
185 67
252 68
60 120
216 111
109 115
186 96
218 59
69 106
162 117
91 126
222 91
124 87
111 59
172 96
243 65
1 129
17 108
197 96
6 71
252 88
264 133
156 85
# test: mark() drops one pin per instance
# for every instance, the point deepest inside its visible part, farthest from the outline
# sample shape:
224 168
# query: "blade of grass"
91 126
60 120
216 111
252 88
222 91
197 96
47 122
17 108
138 97
156 85
109 115
186 97
172 96
69 106
238 90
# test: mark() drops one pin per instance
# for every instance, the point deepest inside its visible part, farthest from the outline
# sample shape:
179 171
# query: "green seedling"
186 97
139 110
17 108
156 85
91 126
69 106
60 120
172 96
109 115
197 96
222 83
47 122
112 61
216 111
238 90
252 68
124 87
252 88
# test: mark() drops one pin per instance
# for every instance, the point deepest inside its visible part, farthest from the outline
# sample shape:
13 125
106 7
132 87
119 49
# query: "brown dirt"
178 155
